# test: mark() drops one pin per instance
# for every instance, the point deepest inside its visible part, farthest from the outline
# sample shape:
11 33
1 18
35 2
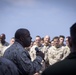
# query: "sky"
40 17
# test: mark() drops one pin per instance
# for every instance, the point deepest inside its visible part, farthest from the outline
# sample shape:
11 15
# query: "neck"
17 40
46 44
3 42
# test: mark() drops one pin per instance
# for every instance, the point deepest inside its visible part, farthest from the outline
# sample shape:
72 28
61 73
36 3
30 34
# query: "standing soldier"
46 46
67 47
36 48
56 52
3 43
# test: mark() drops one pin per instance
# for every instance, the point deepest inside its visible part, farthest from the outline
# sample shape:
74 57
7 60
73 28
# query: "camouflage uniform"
33 56
66 51
32 53
21 58
55 54
45 51
2 47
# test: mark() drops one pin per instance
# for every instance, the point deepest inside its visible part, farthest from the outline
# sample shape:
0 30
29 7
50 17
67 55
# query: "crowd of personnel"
54 50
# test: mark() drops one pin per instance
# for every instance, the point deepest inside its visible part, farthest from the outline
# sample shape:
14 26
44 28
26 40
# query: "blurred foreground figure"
68 65
7 67
17 53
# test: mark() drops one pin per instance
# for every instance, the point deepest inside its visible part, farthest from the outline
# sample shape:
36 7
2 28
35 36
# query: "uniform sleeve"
32 53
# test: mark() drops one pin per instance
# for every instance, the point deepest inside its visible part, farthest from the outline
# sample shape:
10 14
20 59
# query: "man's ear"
21 38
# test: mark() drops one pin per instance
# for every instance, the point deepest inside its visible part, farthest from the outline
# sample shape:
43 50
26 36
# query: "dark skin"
23 37
2 38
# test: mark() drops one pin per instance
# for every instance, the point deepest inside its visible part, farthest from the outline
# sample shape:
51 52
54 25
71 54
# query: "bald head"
47 39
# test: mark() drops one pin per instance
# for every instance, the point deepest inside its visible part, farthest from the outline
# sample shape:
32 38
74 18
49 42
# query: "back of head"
73 34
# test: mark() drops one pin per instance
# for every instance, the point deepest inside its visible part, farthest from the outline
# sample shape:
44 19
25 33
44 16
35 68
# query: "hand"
39 53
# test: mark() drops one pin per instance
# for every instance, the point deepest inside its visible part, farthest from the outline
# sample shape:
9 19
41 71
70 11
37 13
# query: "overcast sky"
40 17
